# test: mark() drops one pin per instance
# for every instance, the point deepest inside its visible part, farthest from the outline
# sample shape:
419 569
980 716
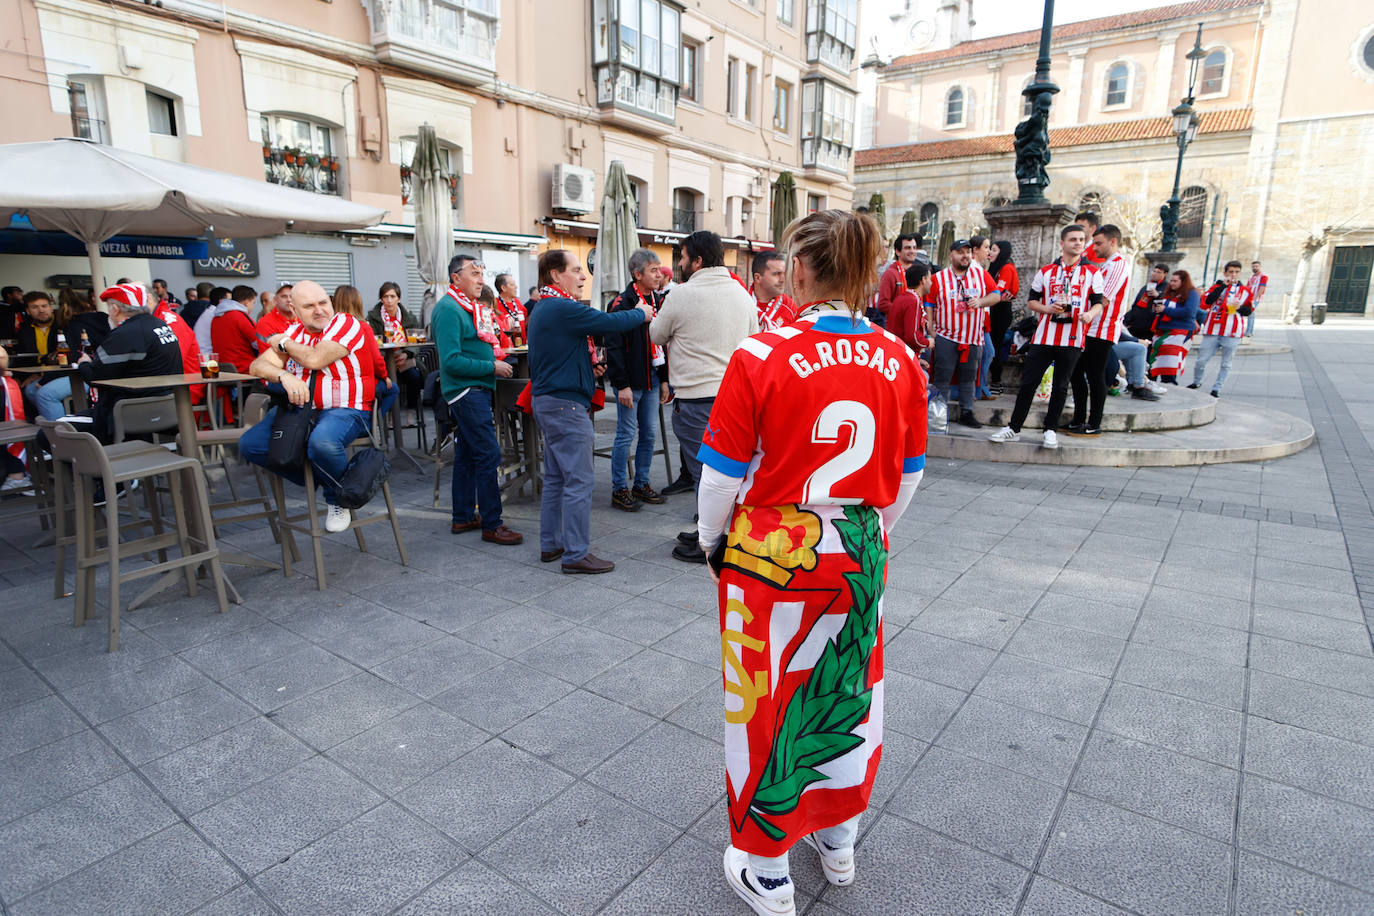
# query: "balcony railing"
293 168
408 187
453 38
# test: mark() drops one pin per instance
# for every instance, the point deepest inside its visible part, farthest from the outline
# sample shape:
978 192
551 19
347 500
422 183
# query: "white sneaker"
1005 434
1154 386
745 884
1051 439
838 864
16 483
337 519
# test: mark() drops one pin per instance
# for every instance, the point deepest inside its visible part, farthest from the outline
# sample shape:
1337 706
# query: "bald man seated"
328 346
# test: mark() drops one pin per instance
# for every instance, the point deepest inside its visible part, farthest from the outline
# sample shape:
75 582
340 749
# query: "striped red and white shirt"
1075 285
349 381
1223 319
1253 285
1115 274
953 320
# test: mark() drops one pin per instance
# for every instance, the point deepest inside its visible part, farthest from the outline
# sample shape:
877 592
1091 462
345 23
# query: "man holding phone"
954 309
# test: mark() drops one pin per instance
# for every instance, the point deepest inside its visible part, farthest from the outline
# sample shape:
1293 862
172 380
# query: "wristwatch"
281 346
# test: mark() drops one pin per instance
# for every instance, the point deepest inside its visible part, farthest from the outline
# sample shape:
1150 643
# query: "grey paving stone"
917 707
935 658
1307 577
703 712
183 624
282 814
273 684
1050 898
965 622
84 658
653 682
1050 689
243 900
580 849
1319 763
1157 783
451 610
1313 707
62 838
1007 596
348 708
174 723
209 771
1322 835
1190 604
371 865
510 693
578 731
1268 888
510 632
437 666
1138 569
997 810
378 639
670 772
20 685
1182 674
1094 614
640 621
36 778
36 723
1179 634
129 691
1314 630
1177 723
331 613
578 655
1092 653
1204 576
409 746
474 888
1122 592
479 796
689 592
1140 864
171 872
1016 739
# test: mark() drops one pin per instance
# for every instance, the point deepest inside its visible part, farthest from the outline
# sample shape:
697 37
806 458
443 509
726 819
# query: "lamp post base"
1032 229
1169 259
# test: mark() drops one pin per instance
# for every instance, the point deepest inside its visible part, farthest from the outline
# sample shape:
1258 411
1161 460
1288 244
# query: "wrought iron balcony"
294 168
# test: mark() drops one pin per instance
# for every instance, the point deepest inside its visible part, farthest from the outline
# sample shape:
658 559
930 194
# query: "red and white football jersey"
1223 319
827 412
1254 284
778 312
348 381
952 320
1074 285
1115 274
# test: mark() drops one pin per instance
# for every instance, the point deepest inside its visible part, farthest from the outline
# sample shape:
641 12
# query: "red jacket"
893 284
186 342
233 335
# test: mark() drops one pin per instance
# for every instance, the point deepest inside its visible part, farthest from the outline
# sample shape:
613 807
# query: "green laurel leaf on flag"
820 717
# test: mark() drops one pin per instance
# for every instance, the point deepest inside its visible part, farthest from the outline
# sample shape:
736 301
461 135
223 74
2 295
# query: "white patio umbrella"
617 238
430 190
93 192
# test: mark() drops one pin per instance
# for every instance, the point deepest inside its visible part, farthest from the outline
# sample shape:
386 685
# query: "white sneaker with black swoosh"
838 864
765 902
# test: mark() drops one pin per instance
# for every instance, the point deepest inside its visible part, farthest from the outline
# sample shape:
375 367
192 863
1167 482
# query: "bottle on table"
86 348
64 352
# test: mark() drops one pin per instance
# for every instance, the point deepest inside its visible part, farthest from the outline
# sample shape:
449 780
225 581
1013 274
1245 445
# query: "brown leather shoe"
590 565
503 536
460 527
548 556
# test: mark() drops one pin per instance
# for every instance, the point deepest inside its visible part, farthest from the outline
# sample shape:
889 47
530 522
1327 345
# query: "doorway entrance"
1349 285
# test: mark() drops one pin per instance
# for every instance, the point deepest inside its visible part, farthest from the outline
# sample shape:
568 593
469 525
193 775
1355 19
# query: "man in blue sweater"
564 380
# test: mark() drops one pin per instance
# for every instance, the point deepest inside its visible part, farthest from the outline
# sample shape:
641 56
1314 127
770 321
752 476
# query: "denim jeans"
689 425
327 448
1131 354
1250 325
565 511
985 367
945 362
1208 347
385 397
48 398
629 421
476 458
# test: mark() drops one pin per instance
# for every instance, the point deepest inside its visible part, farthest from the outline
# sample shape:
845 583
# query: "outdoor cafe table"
187 444
507 392
389 353
79 402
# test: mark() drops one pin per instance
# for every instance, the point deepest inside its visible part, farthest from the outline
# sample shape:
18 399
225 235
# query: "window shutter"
330 269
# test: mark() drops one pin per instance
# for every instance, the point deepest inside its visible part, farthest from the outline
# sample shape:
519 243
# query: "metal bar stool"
90 462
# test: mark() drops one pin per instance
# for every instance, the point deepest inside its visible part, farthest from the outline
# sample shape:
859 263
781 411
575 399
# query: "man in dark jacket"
638 372
138 345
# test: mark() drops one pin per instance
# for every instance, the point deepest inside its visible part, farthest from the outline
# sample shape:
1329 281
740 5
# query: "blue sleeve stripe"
727 466
911 465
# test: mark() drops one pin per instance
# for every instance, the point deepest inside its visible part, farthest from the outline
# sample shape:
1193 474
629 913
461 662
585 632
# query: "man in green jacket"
464 332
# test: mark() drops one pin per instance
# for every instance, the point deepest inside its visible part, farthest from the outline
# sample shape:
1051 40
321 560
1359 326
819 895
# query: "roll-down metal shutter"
330 269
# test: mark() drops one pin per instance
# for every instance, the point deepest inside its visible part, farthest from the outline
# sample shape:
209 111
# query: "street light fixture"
1185 124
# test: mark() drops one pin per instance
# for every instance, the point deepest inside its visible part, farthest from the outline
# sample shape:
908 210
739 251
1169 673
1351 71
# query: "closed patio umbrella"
617 238
93 192
783 205
433 217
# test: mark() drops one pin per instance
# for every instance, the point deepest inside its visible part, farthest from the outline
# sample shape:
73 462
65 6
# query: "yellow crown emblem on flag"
772 542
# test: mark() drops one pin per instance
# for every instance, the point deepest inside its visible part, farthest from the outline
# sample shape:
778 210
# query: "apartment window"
88 109
832 28
782 106
930 220
638 53
814 203
1027 102
452 158
299 153
162 114
638 194
685 210
827 125
732 68
467 27
690 90
954 107
786 11
1192 212
750 78
1118 78
1213 73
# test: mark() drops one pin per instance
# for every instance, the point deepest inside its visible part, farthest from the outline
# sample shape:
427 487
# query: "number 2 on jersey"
836 416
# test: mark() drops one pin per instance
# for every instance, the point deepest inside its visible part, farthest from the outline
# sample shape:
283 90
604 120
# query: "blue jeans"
385 397
629 421
48 398
476 458
327 448
1131 353
1250 325
984 367
1210 344
689 425
565 512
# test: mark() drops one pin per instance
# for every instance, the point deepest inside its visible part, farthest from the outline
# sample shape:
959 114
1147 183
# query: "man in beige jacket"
701 322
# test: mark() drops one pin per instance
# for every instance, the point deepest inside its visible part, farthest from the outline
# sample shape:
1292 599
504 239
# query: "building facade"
1285 91
531 101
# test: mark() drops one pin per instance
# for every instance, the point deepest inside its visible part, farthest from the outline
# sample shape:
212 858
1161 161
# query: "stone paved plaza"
1109 691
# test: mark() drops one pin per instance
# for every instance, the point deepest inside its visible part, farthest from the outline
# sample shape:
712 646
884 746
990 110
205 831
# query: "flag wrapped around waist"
801 649
1169 353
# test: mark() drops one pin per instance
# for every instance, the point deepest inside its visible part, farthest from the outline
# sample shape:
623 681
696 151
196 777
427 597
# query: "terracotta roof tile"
1075 29
1213 122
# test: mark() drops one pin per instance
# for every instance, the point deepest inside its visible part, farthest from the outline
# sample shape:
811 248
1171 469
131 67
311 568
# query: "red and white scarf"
513 316
392 329
482 319
656 354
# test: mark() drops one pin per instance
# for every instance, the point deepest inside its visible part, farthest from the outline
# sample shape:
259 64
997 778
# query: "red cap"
131 294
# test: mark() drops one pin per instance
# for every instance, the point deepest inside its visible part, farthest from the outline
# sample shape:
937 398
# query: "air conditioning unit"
574 188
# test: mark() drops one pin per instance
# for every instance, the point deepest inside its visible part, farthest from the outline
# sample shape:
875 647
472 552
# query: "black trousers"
1001 321
1039 358
1090 381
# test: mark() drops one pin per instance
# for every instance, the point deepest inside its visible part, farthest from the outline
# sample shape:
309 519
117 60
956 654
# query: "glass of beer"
209 365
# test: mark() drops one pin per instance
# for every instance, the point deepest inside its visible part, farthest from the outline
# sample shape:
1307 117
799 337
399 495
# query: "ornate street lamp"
1185 125
1032 137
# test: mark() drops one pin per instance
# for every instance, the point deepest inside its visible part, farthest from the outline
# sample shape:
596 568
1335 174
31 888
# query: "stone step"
1240 432
1177 408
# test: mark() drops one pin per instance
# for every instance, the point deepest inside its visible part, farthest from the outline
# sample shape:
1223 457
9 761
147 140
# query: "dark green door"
1349 286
